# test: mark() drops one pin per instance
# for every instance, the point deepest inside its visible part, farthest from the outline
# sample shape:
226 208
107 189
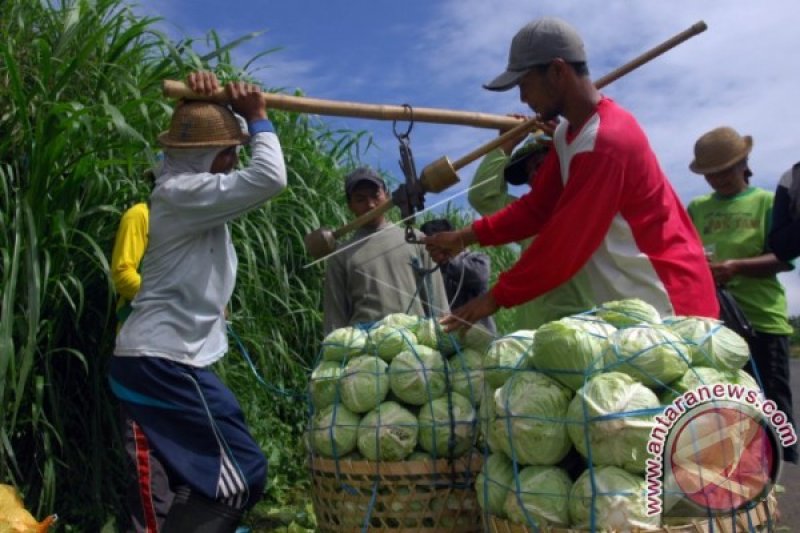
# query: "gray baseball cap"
538 43
362 174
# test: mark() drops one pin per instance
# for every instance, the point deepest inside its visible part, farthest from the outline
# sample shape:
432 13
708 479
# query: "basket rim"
466 463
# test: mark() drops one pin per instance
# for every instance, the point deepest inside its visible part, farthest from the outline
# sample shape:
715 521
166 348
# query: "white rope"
371 235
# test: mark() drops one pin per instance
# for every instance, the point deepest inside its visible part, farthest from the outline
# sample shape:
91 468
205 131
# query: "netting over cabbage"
610 419
608 498
343 343
571 349
506 354
400 391
567 411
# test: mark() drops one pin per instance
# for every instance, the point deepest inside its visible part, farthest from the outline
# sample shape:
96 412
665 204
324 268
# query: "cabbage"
621 439
400 320
493 482
439 430
417 375
364 383
741 377
506 354
324 382
430 334
534 408
699 375
629 312
477 338
466 374
570 350
343 343
387 433
487 415
654 355
711 344
620 502
333 431
544 493
388 341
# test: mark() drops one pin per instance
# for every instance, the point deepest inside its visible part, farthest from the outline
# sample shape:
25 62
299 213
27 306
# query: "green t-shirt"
489 194
736 227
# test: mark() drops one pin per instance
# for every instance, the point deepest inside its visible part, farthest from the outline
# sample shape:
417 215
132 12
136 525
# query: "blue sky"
741 72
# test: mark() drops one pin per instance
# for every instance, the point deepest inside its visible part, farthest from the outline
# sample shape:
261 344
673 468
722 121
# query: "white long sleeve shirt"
189 268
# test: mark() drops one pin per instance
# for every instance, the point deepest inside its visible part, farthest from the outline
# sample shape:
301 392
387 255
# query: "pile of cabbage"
399 390
567 411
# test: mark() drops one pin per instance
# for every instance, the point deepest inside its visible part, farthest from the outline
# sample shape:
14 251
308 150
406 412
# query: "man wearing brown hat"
733 222
602 204
377 272
176 329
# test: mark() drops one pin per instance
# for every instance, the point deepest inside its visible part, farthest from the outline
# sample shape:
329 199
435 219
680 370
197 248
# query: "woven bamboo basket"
756 519
435 496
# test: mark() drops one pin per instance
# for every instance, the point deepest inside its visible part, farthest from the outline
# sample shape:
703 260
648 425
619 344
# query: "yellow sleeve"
489 191
129 247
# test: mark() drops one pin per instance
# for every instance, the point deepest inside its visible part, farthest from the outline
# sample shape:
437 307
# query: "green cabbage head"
400 320
388 433
487 415
444 419
466 374
653 355
324 383
620 502
364 383
699 375
388 341
628 312
493 483
710 343
333 431
476 338
343 343
544 493
531 419
417 375
621 439
570 350
507 354
430 334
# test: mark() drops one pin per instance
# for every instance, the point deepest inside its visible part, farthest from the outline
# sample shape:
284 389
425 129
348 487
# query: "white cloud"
740 72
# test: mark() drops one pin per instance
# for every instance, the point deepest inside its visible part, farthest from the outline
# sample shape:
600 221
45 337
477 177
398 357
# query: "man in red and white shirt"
601 202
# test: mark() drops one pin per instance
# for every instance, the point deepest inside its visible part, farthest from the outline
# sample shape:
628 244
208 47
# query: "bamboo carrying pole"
339 108
441 174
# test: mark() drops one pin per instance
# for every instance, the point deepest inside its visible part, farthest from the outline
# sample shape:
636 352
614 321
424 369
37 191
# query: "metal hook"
401 136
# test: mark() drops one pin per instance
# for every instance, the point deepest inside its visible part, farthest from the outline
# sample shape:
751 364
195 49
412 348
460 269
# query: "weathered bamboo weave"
435 496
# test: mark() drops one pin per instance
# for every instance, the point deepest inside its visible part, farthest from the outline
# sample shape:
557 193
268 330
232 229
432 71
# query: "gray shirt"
189 269
367 281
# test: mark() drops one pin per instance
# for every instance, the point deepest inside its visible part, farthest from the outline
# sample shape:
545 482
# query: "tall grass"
80 83
80 86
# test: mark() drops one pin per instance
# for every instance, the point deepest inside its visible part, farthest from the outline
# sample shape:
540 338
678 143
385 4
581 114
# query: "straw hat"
202 125
719 149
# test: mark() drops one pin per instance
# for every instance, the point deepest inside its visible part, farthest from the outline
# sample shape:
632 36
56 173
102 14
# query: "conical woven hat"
719 149
202 125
